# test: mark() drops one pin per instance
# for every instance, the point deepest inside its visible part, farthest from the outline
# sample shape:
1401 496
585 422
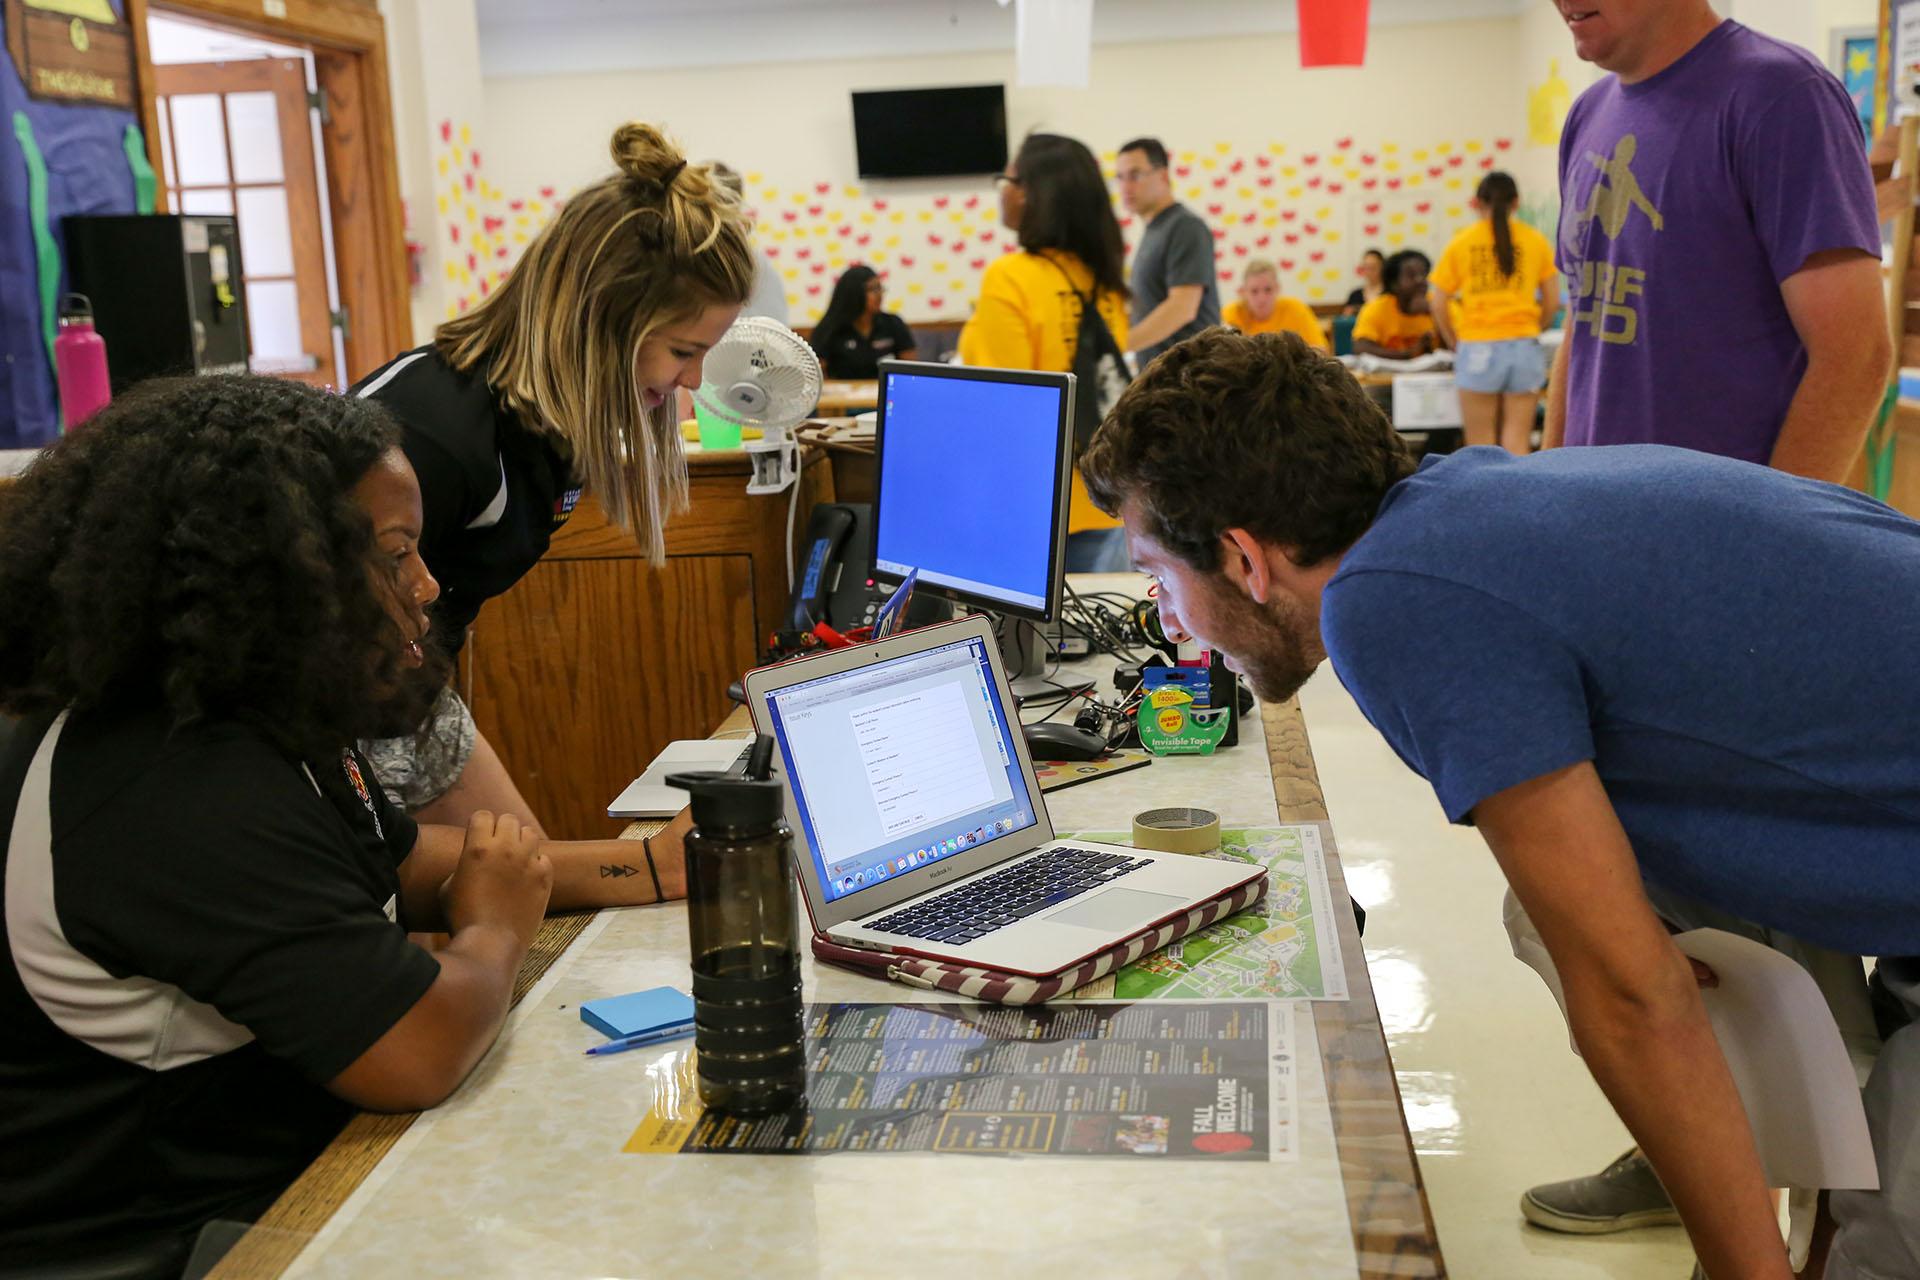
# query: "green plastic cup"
715 433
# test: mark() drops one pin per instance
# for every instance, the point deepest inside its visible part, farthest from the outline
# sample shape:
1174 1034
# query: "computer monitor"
972 472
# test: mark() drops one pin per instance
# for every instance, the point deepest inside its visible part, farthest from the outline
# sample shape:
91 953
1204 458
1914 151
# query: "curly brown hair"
1262 433
197 546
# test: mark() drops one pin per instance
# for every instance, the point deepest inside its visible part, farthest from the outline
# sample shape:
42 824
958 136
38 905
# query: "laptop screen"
899 764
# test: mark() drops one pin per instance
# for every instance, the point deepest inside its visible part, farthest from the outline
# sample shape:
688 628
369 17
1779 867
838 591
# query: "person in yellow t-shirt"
1028 317
1397 325
1502 275
1261 309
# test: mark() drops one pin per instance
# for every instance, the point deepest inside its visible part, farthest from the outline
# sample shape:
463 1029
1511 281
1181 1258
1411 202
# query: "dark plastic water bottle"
743 921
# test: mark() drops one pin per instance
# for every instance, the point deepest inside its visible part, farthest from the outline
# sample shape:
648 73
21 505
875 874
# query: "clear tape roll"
1177 830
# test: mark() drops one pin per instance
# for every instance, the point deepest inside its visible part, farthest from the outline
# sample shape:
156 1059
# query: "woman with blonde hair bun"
563 380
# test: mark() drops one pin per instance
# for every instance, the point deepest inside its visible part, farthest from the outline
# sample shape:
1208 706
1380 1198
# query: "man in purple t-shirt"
1720 243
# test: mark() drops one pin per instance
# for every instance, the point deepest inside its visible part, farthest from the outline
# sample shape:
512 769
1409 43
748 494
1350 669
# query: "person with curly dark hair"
205 598
1646 739
1398 325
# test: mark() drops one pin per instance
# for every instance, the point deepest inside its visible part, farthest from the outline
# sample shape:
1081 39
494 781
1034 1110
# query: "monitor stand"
1024 653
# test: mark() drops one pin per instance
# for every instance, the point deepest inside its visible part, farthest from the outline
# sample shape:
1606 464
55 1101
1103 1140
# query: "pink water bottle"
80 362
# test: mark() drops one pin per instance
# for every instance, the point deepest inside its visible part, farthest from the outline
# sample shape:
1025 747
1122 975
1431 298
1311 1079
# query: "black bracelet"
646 846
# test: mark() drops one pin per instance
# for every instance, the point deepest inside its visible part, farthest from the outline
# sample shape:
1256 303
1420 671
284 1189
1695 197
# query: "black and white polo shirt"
492 491
200 932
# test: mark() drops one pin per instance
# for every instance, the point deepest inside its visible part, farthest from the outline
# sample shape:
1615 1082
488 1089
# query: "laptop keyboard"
977 908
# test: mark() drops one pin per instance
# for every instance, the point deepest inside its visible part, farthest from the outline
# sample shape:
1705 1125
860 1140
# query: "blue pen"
644 1038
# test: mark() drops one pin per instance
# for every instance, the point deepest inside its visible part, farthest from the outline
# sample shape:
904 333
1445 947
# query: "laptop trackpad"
1117 908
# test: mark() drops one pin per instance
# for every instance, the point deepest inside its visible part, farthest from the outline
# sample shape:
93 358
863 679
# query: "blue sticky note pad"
630 1015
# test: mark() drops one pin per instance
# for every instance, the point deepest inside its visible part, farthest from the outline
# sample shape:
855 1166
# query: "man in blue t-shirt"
1658 677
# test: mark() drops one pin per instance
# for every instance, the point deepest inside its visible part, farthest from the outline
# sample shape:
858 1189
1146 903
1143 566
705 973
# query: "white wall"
1435 97
1442 76
433 47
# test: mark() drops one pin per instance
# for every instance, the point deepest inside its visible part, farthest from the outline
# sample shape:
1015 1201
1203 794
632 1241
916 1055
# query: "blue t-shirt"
1732 647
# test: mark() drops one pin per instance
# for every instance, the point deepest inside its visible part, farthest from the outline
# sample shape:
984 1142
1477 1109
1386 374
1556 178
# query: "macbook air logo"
939 872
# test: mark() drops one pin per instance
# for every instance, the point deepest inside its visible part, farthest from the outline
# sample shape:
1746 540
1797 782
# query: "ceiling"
546 37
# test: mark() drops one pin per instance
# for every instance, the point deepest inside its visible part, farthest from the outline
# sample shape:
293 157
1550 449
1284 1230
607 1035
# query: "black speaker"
166 290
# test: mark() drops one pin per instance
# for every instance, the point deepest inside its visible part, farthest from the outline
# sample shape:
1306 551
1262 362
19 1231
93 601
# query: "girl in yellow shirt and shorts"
1502 274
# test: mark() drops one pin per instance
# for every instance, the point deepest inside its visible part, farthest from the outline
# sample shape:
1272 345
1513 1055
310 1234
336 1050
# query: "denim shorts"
1514 366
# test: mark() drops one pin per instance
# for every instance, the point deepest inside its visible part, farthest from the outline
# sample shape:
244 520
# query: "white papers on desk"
649 796
1425 402
1418 364
1784 1049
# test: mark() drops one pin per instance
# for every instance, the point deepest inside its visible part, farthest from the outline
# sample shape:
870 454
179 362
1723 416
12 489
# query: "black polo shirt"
492 490
852 354
201 931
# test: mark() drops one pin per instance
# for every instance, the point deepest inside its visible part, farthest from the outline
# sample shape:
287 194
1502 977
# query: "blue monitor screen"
969 488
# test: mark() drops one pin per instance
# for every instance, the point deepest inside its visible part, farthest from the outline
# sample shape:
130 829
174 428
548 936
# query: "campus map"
1284 948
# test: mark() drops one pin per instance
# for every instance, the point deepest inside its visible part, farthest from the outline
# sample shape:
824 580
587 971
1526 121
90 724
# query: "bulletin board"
1895 95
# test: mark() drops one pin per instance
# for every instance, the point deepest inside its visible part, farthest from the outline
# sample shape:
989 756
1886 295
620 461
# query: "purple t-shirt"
1685 200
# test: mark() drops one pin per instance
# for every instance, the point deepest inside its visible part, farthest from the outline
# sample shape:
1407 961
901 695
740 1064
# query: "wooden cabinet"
595 660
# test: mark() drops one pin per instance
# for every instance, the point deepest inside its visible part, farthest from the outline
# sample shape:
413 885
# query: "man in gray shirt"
1174 292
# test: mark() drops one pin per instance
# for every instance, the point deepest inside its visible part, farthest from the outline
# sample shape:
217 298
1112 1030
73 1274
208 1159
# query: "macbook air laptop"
920 827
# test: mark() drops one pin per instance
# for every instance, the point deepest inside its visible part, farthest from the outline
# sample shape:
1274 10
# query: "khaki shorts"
419 768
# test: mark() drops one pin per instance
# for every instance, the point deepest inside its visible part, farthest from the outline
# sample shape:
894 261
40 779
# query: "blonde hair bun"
641 151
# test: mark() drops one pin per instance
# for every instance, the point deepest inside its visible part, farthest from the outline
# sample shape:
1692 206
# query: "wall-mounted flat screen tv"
931 133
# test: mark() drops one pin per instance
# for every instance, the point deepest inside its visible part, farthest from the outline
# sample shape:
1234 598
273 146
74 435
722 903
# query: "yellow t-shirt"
1290 315
1028 317
1381 321
1493 307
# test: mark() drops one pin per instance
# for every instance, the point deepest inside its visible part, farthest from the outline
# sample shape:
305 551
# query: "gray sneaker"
1621 1197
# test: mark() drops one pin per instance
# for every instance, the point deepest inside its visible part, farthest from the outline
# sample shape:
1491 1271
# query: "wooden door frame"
298 182
349 44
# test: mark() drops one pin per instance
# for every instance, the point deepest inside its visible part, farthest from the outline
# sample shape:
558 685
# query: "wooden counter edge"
266 1251
1397 1251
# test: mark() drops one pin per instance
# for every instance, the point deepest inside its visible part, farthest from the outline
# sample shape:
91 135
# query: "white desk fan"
762 374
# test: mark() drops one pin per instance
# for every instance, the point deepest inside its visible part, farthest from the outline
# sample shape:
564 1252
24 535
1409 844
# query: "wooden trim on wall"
136 11
349 43
363 186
